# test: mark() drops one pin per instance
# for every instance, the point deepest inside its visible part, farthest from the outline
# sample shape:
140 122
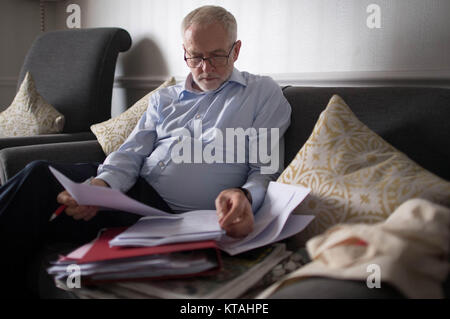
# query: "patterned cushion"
113 132
29 114
355 175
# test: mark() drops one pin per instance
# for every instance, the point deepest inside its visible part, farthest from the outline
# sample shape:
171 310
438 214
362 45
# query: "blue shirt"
179 119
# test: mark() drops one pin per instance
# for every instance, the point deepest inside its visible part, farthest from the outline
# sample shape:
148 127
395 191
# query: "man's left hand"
234 212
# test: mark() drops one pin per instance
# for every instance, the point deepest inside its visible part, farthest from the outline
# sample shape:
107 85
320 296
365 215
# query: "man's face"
205 42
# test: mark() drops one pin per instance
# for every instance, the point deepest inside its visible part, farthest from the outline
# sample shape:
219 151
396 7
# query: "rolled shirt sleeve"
122 167
271 122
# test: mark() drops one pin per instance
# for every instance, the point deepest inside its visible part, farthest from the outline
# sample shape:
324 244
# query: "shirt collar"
236 76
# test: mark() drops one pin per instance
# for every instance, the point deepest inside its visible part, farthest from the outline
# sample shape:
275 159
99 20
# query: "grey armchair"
74 71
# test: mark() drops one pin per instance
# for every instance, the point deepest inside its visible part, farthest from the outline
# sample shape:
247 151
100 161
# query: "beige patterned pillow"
29 114
113 132
355 175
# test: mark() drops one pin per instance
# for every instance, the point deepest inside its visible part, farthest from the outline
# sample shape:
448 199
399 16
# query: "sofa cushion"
412 119
355 175
29 114
113 132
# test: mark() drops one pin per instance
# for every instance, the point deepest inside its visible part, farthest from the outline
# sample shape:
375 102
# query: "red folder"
102 251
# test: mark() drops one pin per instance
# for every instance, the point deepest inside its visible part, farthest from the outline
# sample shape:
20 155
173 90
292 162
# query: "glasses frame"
209 59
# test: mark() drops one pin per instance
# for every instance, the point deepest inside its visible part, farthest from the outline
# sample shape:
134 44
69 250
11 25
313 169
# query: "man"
215 97
211 48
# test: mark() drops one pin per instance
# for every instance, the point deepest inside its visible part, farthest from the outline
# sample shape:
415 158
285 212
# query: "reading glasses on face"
216 60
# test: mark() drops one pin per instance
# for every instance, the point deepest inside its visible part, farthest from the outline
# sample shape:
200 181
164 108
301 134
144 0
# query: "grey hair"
209 14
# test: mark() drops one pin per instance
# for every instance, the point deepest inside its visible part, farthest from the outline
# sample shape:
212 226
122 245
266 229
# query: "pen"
57 212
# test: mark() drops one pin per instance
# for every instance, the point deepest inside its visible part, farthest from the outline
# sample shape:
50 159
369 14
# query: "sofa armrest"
13 159
45 139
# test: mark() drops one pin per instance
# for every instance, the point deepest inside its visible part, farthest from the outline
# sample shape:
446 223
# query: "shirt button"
198 116
161 164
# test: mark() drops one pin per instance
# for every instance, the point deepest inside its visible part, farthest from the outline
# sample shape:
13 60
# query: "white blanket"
409 250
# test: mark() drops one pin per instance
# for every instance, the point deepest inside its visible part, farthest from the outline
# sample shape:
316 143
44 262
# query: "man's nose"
207 66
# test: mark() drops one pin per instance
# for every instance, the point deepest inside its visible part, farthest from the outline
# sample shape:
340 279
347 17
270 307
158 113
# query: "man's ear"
236 50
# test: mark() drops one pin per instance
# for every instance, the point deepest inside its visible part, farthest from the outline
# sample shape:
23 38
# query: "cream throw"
411 249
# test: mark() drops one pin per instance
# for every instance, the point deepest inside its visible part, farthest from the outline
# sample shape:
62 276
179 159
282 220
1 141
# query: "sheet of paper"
294 224
106 197
279 202
150 242
149 231
273 222
193 222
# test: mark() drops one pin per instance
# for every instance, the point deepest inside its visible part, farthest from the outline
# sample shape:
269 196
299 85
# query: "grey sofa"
74 71
412 119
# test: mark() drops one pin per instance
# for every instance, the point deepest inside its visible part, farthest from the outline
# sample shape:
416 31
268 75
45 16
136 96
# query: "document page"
273 221
151 231
106 197
270 220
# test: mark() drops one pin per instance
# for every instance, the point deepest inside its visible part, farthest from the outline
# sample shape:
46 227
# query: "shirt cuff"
111 180
258 192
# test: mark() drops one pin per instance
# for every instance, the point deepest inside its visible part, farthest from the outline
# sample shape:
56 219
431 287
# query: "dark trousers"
26 203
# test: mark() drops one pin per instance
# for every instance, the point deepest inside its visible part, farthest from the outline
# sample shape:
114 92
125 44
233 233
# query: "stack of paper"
237 276
273 221
98 262
153 231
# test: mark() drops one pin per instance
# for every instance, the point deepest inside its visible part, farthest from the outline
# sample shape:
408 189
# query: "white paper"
149 242
279 202
105 197
149 231
273 222
293 225
193 222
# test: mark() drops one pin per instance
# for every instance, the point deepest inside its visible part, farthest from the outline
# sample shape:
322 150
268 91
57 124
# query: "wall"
19 25
299 42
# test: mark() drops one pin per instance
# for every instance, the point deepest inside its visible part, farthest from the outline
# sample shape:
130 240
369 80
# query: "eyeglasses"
215 61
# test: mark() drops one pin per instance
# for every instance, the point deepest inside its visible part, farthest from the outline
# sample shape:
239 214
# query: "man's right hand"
79 211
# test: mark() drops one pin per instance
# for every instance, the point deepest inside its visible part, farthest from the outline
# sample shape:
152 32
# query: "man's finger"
76 211
222 206
233 214
90 215
240 229
65 199
77 215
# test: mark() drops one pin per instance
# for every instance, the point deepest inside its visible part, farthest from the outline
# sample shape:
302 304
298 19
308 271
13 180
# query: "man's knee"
38 167
37 164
